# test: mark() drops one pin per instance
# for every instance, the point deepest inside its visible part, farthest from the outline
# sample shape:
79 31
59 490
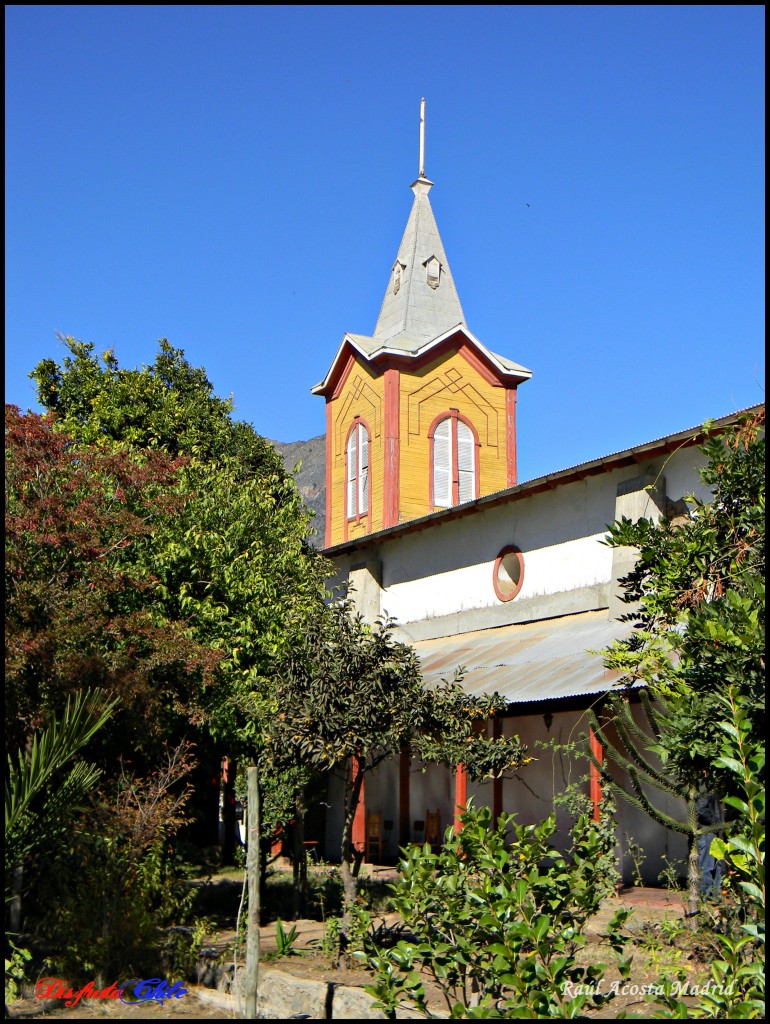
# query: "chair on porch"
433 830
373 836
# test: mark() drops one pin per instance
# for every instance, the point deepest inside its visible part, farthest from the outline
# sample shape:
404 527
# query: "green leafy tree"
351 696
698 603
698 599
641 755
234 563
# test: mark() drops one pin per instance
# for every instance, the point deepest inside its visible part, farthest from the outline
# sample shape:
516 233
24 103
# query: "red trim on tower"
329 456
455 463
456 342
510 423
490 375
350 362
391 481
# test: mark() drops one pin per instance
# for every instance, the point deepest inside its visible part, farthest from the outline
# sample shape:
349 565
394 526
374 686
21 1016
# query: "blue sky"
236 179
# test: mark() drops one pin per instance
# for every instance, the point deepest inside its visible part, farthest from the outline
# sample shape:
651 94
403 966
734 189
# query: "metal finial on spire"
422 138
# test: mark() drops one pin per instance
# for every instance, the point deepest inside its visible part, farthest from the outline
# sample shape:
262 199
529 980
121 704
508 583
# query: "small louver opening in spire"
433 270
398 269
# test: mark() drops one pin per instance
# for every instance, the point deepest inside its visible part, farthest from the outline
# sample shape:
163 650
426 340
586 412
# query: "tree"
350 696
233 563
638 752
79 592
697 598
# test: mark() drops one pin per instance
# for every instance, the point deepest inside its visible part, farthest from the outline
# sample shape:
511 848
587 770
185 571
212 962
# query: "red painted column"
510 434
229 769
461 794
404 809
595 782
359 819
497 784
391 481
328 537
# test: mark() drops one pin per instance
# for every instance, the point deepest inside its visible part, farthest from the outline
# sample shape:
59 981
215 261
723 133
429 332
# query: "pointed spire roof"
421 301
421 310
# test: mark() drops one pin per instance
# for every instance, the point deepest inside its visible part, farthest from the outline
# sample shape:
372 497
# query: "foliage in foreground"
736 986
116 883
39 800
496 922
697 600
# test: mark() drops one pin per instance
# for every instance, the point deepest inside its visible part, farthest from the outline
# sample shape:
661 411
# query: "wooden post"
251 983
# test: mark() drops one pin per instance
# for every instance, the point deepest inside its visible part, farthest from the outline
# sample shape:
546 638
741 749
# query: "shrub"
118 882
496 921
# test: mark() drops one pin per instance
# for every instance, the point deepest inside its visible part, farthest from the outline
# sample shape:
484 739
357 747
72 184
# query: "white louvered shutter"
363 461
466 463
353 473
442 464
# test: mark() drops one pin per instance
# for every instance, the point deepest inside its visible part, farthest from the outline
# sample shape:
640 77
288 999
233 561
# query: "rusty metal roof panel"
545 660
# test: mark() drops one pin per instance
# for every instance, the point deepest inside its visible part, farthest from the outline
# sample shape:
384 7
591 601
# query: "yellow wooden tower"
420 416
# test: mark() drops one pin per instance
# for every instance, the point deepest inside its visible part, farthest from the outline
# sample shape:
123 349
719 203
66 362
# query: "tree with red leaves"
80 609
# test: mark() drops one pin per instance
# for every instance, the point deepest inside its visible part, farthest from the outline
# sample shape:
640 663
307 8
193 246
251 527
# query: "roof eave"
629 456
516 372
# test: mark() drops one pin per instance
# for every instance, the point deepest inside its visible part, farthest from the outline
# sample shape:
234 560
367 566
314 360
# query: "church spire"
421 300
421 171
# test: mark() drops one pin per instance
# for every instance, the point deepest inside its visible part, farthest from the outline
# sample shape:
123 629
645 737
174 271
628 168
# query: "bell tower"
420 415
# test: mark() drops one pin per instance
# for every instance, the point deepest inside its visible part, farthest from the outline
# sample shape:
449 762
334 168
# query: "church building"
426 518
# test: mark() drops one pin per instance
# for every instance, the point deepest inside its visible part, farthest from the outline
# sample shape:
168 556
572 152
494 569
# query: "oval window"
509 573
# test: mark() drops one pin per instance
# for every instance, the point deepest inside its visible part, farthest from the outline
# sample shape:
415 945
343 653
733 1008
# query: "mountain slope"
311 478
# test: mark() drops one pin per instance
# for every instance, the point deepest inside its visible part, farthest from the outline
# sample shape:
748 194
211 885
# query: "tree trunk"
251 981
353 781
300 855
693 863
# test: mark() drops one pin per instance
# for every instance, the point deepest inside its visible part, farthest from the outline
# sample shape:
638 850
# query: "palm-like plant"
30 822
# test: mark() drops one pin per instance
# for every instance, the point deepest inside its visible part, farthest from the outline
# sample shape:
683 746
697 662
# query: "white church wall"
438 572
530 793
438 580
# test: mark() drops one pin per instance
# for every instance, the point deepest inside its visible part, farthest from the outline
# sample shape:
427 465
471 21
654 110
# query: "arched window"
358 471
454 462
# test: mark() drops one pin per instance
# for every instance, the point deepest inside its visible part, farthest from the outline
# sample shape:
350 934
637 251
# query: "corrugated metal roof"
532 661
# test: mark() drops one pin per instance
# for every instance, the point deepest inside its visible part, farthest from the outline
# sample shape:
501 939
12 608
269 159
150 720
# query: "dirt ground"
649 906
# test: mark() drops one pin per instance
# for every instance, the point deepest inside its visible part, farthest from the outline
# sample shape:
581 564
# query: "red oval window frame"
509 549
